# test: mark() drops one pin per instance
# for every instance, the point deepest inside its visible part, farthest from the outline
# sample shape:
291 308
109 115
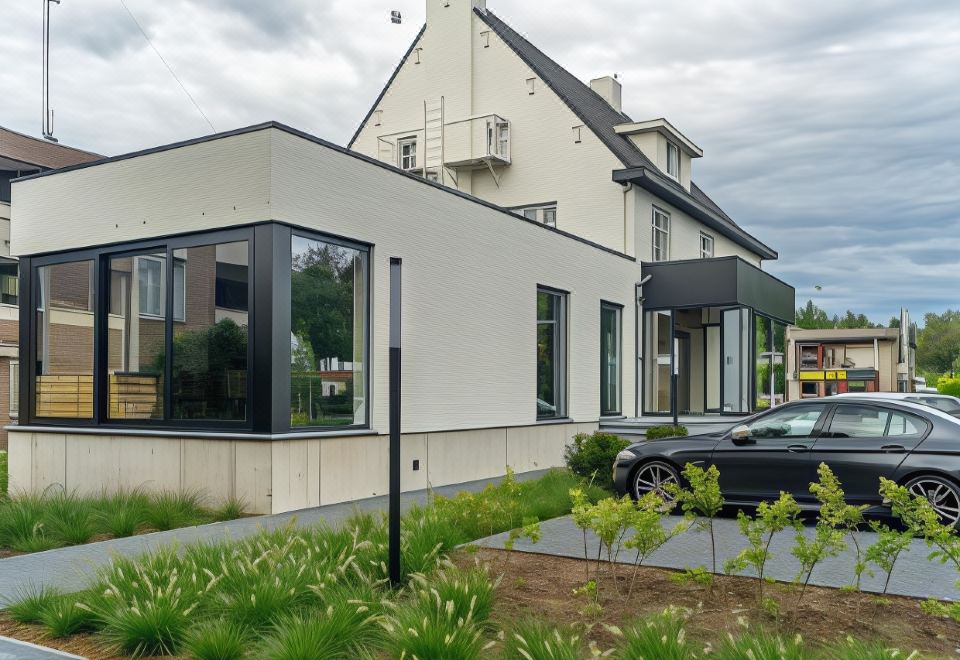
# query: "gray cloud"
830 130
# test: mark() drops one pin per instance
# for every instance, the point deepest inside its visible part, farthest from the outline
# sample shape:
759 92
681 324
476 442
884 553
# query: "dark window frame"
100 256
618 310
367 334
560 349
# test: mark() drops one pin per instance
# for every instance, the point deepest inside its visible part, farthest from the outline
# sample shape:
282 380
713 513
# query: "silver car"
943 402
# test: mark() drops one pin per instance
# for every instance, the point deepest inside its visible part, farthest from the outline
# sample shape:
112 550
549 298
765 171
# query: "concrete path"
14 649
913 575
69 569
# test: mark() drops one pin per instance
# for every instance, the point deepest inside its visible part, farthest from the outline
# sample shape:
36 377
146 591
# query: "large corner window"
551 353
610 359
64 340
328 313
661 235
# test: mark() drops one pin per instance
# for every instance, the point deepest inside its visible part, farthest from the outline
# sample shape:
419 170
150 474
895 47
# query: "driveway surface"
913 574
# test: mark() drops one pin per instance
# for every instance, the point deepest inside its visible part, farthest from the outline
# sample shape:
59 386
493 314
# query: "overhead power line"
169 68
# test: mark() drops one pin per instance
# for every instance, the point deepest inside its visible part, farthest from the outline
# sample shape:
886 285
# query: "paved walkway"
913 575
69 569
13 649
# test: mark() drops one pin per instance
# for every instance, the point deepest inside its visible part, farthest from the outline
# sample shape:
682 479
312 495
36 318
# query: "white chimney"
608 88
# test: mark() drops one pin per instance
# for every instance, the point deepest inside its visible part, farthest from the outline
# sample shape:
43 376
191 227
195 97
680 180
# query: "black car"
861 439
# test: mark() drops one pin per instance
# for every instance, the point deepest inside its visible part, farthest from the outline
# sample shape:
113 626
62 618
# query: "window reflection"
64 340
209 369
328 322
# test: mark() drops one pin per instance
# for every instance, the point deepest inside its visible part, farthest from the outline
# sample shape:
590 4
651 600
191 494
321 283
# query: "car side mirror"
741 435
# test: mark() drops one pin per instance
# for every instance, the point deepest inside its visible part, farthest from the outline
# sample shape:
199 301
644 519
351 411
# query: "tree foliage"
938 343
812 317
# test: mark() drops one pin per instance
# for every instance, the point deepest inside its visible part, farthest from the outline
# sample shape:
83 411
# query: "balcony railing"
478 141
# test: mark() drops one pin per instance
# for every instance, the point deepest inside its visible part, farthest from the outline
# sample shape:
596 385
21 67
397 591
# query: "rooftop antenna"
395 18
47 112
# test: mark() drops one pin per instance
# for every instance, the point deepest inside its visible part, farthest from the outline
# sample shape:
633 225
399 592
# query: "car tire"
942 493
652 476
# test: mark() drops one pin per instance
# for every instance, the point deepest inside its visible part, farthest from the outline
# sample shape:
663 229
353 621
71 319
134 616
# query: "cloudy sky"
831 129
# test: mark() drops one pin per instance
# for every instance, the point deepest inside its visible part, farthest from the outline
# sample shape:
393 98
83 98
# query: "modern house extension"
475 106
20 155
213 314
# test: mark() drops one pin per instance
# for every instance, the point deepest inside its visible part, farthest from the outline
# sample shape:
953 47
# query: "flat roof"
329 145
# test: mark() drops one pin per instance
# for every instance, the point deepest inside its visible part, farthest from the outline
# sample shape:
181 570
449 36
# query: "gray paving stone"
70 569
913 575
13 649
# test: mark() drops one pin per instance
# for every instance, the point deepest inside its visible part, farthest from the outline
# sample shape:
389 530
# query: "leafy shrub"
759 531
4 475
836 513
827 540
533 638
951 386
701 502
666 431
592 455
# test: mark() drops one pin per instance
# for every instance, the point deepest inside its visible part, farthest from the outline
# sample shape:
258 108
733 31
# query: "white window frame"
157 311
179 311
407 161
672 148
660 230
545 214
706 245
14 390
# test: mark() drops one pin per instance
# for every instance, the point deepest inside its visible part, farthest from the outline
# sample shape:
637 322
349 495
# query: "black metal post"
674 370
394 512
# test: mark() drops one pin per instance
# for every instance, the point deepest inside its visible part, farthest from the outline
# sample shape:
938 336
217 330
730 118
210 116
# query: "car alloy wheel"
942 495
653 477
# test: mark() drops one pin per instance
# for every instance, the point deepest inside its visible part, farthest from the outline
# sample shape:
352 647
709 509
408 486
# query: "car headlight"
625 455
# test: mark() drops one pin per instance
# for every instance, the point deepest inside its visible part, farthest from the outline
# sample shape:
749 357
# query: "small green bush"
217 640
532 638
65 617
951 386
4 478
762 645
592 455
660 636
31 604
666 431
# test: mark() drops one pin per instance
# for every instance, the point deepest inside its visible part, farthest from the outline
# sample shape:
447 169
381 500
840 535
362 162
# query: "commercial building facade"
837 361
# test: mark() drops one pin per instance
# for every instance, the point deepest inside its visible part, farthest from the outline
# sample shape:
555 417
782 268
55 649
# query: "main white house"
214 313
477 107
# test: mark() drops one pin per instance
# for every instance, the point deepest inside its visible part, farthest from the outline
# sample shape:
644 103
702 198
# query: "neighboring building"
19 155
477 107
836 361
515 335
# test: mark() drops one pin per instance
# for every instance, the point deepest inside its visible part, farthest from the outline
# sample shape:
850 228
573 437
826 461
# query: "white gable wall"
547 165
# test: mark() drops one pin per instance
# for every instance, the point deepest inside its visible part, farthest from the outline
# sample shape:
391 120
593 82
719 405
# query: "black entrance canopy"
719 282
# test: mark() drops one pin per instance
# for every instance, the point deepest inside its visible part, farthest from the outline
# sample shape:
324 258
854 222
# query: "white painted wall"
547 165
470 272
684 232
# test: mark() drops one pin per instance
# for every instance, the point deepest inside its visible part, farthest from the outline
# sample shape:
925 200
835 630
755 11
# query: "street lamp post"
394 508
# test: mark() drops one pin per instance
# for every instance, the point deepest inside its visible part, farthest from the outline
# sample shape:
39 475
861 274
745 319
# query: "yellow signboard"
811 375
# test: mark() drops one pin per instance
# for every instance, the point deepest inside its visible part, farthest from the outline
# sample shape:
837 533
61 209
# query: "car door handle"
893 449
794 449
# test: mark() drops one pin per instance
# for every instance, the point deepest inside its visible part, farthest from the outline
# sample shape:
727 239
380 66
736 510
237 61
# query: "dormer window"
408 153
673 160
